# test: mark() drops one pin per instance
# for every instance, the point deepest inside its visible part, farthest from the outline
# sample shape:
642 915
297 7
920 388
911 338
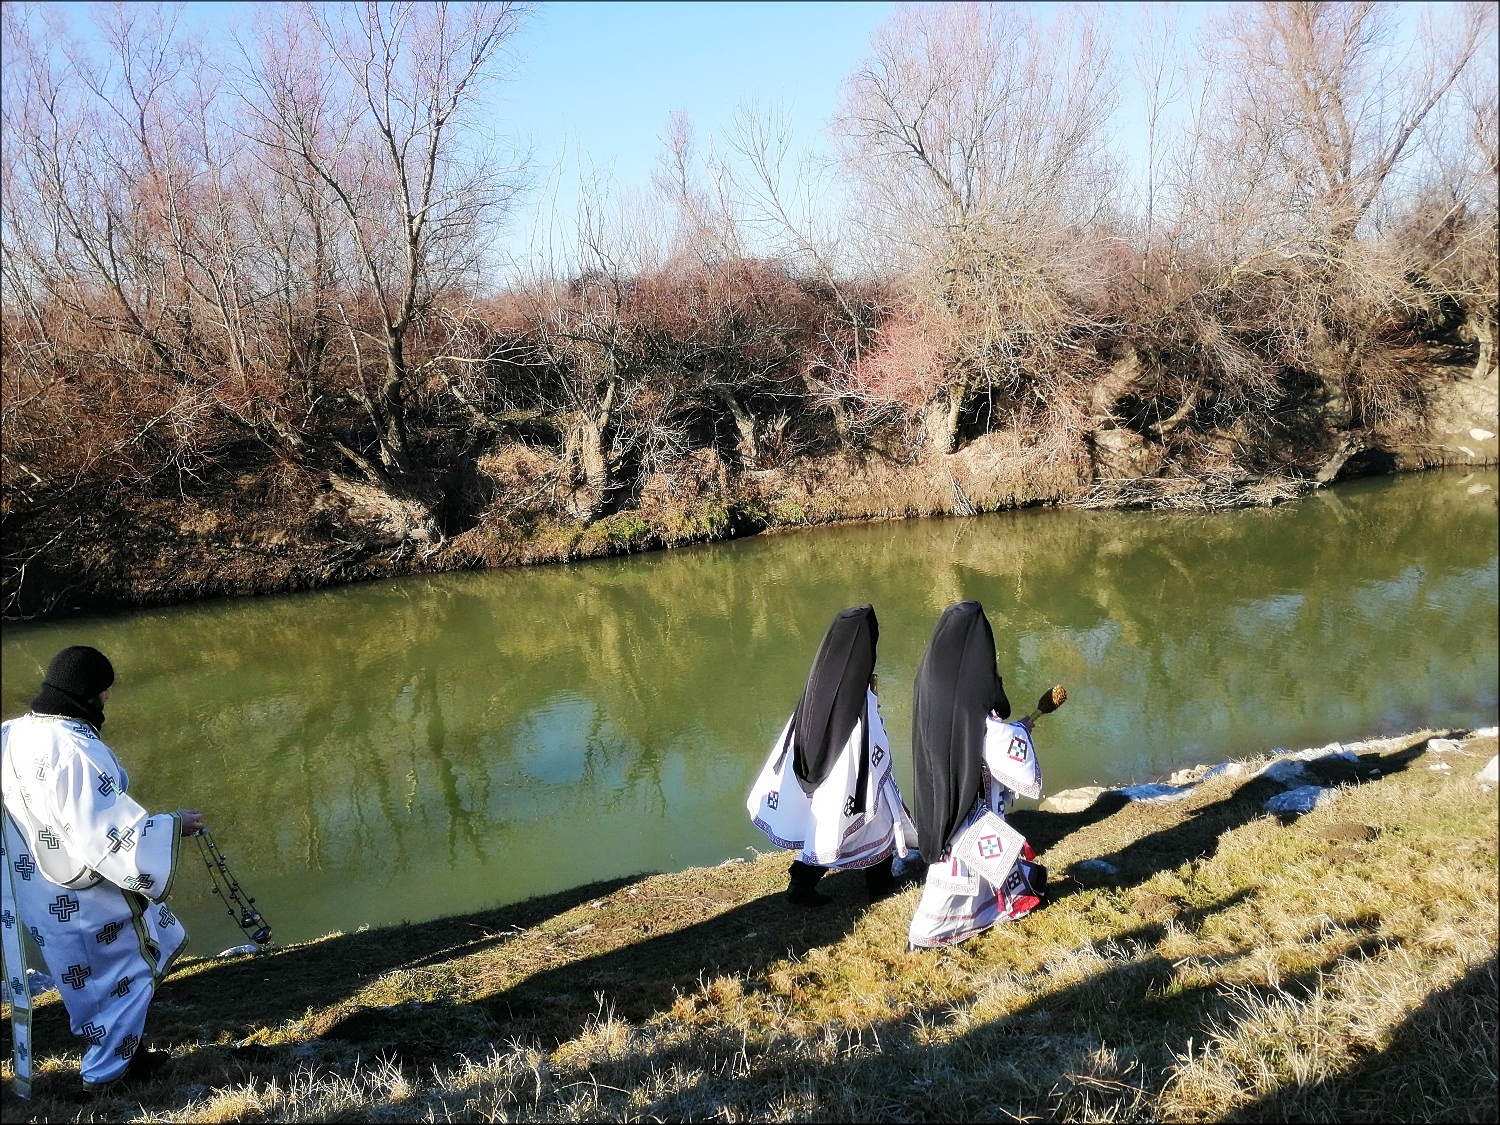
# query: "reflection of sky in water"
1266 617
408 749
551 743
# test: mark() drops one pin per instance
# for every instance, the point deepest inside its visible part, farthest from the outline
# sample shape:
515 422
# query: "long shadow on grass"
633 981
1196 836
639 979
1027 1063
216 1000
1439 1066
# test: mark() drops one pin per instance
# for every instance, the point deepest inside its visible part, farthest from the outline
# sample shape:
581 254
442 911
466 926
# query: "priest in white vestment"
86 872
826 791
970 764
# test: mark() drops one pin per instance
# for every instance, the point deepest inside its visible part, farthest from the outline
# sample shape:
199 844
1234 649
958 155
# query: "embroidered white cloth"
959 898
830 827
85 871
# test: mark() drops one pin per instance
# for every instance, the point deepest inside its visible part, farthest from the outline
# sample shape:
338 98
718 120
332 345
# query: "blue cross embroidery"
879 754
121 988
8 918
77 974
773 798
46 837
120 839
127 1048
36 936
849 805
109 933
24 867
21 1052
106 785
93 1033
139 883
166 917
65 907
16 986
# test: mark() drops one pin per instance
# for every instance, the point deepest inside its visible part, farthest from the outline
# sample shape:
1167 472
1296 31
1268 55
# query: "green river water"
431 746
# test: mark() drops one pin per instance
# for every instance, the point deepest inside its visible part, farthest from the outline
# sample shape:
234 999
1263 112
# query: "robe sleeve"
1011 758
107 829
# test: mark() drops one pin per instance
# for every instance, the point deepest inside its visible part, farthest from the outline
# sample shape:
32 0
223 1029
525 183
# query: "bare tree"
976 137
265 253
1159 71
384 123
1313 117
583 322
739 336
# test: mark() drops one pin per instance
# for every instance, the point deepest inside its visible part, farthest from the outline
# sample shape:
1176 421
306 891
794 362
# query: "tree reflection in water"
430 746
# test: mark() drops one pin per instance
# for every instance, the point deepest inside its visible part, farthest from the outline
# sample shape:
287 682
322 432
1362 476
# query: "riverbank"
1227 963
248 525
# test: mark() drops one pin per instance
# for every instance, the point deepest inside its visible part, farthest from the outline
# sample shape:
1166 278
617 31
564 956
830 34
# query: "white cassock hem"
828 827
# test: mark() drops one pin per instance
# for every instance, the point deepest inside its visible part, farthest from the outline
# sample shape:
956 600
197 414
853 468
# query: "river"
435 745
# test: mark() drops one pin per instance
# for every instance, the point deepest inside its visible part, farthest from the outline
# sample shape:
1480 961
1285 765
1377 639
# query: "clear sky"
605 77
595 83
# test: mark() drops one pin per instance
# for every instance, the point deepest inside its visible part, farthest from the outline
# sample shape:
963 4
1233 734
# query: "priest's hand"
192 821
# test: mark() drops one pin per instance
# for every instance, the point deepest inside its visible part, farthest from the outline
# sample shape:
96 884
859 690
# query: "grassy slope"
1236 967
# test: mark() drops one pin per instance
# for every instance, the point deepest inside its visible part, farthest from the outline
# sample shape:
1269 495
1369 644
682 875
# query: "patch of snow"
1154 792
1332 750
1096 867
1225 769
1284 771
1442 745
1485 732
1302 799
1480 435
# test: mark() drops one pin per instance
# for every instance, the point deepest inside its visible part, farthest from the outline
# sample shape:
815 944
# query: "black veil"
834 699
957 686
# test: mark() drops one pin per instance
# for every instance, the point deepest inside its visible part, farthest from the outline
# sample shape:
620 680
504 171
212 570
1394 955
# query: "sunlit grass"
1238 967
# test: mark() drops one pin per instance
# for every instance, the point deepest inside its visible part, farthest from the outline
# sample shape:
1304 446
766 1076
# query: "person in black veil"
969 764
826 790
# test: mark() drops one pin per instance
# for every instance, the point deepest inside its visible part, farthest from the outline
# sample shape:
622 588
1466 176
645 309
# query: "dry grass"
1235 968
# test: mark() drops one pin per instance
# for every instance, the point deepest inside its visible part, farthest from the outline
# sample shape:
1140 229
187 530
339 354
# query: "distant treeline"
277 254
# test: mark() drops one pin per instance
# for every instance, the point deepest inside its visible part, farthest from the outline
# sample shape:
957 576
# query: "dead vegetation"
1310 276
1235 967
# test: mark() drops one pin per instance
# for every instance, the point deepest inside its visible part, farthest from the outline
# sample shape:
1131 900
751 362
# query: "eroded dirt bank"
251 527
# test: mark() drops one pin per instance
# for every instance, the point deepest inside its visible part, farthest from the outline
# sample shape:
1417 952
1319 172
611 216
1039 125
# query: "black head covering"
74 678
957 686
834 699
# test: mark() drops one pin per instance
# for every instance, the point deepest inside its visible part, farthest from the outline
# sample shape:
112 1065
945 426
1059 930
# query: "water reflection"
410 749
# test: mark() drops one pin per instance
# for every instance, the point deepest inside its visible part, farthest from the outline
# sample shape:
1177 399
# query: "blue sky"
600 80
605 77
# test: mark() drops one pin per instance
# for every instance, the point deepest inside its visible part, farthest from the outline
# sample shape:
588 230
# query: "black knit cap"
74 678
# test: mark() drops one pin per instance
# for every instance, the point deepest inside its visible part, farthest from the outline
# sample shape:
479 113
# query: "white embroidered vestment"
958 901
830 827
85 871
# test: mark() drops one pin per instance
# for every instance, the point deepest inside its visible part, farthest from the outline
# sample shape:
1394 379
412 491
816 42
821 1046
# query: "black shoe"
143 1066
806 896
879 882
